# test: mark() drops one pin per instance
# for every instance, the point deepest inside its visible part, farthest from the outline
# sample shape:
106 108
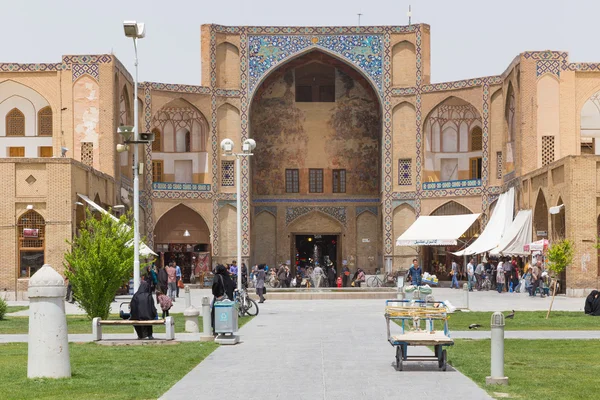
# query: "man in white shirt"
471 274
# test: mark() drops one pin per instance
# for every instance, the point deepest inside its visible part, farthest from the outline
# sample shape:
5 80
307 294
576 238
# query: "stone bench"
97 323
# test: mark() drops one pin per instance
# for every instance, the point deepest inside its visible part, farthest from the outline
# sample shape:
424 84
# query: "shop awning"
540 245
439 230
145 251
496 227
517 235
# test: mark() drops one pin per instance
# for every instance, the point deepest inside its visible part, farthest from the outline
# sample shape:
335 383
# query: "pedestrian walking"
172 281
454 272
471 274
165 303
331 275
260 283
163 280
177 279
282 276
143 309
500 277
479 275
508 268
345 275
414 273
317 275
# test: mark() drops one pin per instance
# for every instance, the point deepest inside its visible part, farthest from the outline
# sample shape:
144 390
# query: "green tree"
560 256
99 262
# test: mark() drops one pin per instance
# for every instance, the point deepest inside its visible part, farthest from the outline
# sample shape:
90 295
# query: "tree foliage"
560 256
99 262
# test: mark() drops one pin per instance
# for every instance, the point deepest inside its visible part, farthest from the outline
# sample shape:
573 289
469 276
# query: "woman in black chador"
592 303
143 309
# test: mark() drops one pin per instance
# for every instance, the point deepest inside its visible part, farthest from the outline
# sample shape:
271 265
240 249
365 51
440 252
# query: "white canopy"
517 235
496 227
145 251
439 230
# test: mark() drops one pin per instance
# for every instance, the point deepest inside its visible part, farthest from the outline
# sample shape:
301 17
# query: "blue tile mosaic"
198 187
363 51
466 183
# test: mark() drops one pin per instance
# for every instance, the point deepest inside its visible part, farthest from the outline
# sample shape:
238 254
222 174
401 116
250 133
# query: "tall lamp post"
247 147
135 31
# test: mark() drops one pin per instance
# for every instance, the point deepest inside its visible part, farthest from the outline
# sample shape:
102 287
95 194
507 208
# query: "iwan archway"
317 121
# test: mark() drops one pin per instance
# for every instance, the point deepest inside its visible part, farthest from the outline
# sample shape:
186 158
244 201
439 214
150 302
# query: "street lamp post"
247 147
135 31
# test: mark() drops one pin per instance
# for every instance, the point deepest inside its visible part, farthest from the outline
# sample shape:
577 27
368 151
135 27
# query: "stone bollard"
206 335
191 319
400 295
188 297
466 294
497 351
48 350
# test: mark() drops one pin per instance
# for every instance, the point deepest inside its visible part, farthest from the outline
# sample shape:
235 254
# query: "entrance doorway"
309 249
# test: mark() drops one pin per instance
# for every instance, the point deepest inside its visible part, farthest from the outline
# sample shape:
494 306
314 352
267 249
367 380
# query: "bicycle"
245 304
388 279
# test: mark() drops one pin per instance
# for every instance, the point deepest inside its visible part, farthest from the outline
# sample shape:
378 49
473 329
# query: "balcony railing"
194 187
460 184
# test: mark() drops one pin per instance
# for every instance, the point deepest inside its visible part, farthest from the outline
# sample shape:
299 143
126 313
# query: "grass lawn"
11 309
103 372
81 324
527 321
536 369
523 321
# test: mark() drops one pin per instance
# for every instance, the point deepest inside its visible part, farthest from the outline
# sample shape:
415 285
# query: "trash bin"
226 316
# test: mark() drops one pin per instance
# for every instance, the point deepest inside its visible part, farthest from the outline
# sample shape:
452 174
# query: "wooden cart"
411 313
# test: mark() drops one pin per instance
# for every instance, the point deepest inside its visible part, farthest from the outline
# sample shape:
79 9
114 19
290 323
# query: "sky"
469 38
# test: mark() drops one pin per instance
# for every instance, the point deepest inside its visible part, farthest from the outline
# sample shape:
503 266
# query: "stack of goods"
430 279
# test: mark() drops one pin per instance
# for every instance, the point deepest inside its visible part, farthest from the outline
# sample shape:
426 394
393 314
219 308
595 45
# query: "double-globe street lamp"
247 147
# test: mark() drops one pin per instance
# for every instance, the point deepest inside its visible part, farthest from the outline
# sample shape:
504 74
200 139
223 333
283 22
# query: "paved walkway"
319 350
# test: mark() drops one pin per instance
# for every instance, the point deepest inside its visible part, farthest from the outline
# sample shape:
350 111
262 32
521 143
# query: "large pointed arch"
540 216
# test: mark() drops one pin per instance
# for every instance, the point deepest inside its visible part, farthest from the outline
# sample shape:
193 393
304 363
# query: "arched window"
476 139
30 234
156 144
15 123
182 141
45 121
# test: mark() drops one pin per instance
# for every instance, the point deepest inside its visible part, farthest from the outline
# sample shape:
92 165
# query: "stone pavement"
319 350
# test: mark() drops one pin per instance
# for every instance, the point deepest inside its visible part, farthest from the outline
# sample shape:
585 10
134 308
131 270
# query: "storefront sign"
542 233
30 233
366 240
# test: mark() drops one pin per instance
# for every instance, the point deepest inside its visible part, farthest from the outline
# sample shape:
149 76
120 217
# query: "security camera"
227 146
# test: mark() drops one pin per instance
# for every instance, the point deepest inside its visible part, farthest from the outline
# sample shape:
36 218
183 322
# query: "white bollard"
207 335
191 319
466 295
188 297
497 351
48 350
96 329
170 328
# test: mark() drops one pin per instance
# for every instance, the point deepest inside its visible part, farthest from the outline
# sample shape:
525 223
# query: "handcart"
411 313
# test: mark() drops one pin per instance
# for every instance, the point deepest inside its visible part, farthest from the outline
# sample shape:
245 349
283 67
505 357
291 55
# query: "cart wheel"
399 358
443 362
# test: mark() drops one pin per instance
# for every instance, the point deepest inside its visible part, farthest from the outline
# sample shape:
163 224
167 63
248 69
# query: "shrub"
99 262
3 308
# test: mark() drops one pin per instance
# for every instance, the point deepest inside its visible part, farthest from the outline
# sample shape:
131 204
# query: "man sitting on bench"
143 309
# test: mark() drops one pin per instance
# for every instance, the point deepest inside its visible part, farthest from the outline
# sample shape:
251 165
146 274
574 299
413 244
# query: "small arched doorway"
182 235
31 228
540 217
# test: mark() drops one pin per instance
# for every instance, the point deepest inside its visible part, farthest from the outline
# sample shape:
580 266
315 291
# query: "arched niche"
264 232
404 64
228 66
540 217
590 125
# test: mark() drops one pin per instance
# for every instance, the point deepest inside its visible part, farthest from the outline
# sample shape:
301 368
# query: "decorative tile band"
547 66
82 69
88 59
196 187
15 67
474 191
465 183
175 195
293 213
340 200
172 87
404 195
397 92
267 52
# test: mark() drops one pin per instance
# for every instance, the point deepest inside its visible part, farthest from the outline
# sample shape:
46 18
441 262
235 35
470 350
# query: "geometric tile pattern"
499 165
266 52
292 213
404 172
388 166
245 165
87 153
227 173
196 187
547 66
362 209
465 183
309 200
83 69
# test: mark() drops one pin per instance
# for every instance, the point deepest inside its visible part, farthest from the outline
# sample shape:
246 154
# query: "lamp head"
122 147
63 152
227 146
134 30
125 131
248 146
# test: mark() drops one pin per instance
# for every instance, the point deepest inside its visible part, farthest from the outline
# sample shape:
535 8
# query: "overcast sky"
469 38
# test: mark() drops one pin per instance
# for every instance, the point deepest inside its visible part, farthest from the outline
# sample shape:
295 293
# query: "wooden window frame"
41 150
292 180
338 181
9 117
45 112
10 149
478 160
315 180
155 163
157 143
22 223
